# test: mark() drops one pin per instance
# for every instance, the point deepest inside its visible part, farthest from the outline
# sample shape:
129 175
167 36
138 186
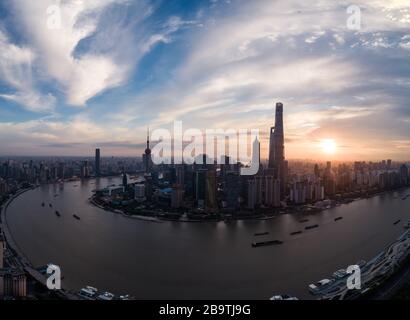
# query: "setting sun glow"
328 146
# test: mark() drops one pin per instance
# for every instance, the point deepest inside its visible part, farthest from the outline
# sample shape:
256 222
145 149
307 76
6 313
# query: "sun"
328 146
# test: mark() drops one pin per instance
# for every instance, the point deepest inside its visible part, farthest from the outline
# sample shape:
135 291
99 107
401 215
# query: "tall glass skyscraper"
97 163
277 148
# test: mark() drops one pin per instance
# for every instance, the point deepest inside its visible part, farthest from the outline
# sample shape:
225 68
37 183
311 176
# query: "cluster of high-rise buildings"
210 187
345 180
4 187
268 187
52 169
13 283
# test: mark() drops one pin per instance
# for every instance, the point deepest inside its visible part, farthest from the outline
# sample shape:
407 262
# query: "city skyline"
274 159
68 90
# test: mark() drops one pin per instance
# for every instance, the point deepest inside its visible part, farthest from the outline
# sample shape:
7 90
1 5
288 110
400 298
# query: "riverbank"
18 255
185 218
167 216
137 217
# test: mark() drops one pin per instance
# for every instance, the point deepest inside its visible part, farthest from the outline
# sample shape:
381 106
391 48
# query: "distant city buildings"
52 169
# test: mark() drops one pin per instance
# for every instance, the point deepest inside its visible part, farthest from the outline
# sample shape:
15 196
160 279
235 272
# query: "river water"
172 260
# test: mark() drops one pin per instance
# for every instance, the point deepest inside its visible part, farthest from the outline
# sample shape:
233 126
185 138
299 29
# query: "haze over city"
67 90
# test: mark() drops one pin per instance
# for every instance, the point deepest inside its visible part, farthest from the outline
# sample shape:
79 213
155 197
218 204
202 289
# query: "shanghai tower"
277 149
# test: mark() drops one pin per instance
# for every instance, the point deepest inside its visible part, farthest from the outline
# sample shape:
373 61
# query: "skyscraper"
404 174
177 196
210 199
200 188
180 174
97 163
328 168
232 189
256 154
251 194
85 172
124 180
277 148
139 191
272 192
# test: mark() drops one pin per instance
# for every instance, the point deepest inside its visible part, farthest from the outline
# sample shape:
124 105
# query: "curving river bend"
173 260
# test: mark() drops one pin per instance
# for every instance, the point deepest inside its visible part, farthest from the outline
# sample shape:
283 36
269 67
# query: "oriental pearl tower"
147 156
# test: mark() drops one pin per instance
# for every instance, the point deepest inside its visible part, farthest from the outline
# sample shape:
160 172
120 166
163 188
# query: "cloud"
171 26
16 71
260 52
91 46
228 72
101 144
77 135
80 77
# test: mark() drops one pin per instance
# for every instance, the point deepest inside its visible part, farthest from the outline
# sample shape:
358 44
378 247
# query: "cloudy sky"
77 74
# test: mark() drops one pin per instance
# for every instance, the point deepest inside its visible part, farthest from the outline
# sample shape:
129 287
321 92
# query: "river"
173 260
